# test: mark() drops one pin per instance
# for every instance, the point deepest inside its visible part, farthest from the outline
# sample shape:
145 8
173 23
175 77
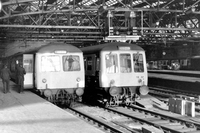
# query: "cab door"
28 66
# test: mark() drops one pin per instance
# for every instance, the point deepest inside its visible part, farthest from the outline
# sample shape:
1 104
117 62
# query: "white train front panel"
123 68
59 71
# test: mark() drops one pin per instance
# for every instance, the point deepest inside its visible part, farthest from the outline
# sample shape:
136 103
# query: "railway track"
135 119
87 113
164 92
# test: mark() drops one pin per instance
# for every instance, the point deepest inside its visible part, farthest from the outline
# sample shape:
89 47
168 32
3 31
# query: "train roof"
58 46
110 46
50 47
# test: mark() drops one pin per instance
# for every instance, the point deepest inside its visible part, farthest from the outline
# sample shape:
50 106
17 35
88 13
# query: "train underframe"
115 96
125 98
62 96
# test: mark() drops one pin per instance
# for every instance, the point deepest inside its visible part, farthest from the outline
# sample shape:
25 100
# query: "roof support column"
110 23
69 19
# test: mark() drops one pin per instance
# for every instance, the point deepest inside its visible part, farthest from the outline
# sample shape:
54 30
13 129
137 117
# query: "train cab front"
124 76
60 78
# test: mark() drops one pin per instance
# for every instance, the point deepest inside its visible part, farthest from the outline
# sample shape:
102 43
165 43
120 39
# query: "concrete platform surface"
173 77
28 113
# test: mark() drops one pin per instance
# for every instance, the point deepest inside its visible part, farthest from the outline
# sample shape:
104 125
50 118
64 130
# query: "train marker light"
139 80
44 80
78 79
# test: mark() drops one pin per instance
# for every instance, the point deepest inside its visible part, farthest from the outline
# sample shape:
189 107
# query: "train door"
90 64
28 66
90 70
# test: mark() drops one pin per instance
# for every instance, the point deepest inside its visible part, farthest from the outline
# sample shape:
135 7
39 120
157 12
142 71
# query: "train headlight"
79 91
44 80
144 90
47 93
112 82
78 79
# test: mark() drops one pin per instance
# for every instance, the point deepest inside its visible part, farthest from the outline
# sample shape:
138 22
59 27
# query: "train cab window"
138 62
50 63
71 63
125 63
111 63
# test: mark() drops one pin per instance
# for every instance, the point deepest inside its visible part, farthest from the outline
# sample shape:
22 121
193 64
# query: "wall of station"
153 52
172 52
21 46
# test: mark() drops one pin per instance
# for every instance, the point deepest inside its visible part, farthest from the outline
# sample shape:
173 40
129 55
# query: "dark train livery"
56 70
115 72
189 63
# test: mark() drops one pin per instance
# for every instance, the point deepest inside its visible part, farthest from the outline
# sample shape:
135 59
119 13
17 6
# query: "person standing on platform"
20 74
5 76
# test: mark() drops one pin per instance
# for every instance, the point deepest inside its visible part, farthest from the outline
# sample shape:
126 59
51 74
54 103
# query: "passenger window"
125 63
13 65
138 62
111 63
71 63
89 64
50 63
97 64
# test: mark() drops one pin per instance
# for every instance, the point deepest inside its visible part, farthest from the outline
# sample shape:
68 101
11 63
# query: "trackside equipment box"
183 107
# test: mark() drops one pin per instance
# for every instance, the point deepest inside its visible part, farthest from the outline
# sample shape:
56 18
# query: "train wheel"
127 103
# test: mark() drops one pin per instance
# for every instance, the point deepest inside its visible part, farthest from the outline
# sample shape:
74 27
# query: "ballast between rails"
160 126
106 125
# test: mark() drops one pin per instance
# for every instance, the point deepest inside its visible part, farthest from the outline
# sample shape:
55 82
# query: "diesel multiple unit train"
115 73
56 70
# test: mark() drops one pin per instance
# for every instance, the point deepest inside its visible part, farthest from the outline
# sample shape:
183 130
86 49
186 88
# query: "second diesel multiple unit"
56 70
115 72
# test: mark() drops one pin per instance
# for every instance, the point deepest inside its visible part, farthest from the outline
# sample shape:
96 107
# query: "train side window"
71 63
138 62
125 63
13 65
111 63
89 64
97 64
50 63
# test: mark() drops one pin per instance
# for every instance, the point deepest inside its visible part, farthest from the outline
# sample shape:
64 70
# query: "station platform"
186 73
175 82
174 77
29 113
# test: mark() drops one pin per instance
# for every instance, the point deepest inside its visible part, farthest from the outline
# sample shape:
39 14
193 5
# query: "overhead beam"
50 27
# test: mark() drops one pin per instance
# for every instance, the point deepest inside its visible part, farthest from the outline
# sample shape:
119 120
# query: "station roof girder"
156 21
